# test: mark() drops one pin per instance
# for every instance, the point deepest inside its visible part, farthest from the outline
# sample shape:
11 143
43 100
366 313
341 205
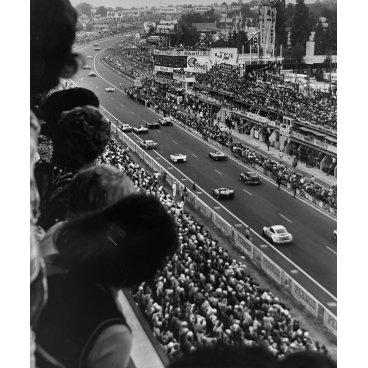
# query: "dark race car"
153 125
218 156
250 177
223 193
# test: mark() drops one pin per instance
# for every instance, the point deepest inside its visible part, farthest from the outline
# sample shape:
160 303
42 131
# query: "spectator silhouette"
120 246
80 137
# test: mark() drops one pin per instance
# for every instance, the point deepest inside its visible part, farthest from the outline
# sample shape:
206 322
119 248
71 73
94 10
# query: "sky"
157 3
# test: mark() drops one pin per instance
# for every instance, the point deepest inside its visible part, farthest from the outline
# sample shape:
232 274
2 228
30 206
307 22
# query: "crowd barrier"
241 242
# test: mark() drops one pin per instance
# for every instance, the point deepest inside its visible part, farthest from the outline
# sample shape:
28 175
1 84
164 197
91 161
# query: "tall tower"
267 19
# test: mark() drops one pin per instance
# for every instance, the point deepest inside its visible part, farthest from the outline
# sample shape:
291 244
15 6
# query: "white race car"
218 156
89 57
178 157
97 48
92 74
86 67
126 128
140 130
110 89
335 234
277 234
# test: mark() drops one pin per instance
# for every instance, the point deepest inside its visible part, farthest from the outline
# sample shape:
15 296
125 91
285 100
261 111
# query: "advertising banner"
147 159
170 10
163 69
223 225
174 21
286 281
330 321
181 53
228 55
148 25
304 297
309 53
257 255
201 205
243 243
271 268
169 27
171 61
156 166
198 64
140 152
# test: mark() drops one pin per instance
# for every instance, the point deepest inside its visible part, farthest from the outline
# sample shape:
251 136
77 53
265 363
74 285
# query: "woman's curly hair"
80 137
53 26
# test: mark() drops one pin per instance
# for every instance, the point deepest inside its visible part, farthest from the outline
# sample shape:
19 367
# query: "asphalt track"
312 257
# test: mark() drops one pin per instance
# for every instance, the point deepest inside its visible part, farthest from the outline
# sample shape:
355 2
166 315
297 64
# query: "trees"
281 36
190 35
102 11
298 52
83 8
289 11
300 30
118 8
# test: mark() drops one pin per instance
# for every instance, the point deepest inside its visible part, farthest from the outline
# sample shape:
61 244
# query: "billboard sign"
200 9
168 10
309 53
148 25
228 55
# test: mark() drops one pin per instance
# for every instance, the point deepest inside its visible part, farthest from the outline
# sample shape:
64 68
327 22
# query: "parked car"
110 89
92 74
218 156
250 177
148 144
277 234
140 130
178 157
223 193
166 121
153 125
86 67
126 128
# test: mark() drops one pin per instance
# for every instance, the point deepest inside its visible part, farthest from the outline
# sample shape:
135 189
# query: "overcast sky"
157 3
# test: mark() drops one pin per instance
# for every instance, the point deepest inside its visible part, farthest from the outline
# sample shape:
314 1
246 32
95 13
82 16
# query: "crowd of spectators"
202 295
319 108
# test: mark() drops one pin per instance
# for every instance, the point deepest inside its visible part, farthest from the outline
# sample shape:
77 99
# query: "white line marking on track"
331 250
194 155
158 131
217 208
271 246
105 93
145 121
112 97
247 192
174 142
132 112
285 218
218 172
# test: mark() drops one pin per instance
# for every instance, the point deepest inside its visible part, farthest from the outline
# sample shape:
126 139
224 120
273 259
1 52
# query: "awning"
318 133
311 131
305 129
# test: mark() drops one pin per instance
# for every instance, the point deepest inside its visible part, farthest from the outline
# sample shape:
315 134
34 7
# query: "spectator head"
307 359
52 31
122 245
96 188
80 137
65 100
221 355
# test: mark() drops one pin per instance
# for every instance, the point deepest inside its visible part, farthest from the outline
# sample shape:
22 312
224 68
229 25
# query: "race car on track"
148 144
178 157
86 67
140 130
96 45
153 125
250 177
335 234
126 128
165 121
223 193
218 156
110 89
92 74
97 48
89 57
277 234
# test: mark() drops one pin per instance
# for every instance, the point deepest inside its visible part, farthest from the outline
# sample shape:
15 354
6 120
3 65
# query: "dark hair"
225 356
80 137
96 188
122 245
307 359
52 30
64 100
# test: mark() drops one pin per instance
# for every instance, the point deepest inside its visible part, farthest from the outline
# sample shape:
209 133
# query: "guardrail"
316 308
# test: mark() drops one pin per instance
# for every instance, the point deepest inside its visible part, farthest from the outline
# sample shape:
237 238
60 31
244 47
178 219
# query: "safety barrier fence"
315 307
